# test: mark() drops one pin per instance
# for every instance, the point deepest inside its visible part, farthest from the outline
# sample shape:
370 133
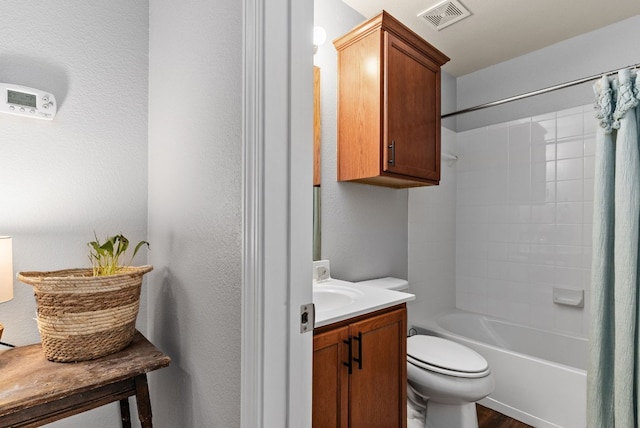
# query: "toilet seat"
445 357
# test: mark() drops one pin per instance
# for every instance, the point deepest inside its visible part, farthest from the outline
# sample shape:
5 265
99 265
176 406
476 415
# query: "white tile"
519 272
498 232
543 234
543 130
539 172
588 189
589 167
568 319
520 214
569 212
590 122
520 233
589 145
519 156
541 254
551 171
568 234
477 303
586 260
569 256
497 270
519 136
570 148
497 251
498 213
519 253
538 192
542 274
569 190
544 213
551 151
587 218
569 169
569 126
462 301
519 188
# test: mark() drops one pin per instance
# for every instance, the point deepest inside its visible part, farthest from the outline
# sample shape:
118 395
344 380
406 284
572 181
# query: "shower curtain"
613 390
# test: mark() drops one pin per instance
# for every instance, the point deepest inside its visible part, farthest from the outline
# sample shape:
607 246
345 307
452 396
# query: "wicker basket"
81 316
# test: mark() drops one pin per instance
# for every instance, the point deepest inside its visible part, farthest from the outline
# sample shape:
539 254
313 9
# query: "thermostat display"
21 98
29 102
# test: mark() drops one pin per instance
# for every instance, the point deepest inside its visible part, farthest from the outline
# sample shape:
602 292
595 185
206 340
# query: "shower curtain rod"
533 93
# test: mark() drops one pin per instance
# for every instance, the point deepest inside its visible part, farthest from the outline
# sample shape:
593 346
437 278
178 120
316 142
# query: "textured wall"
86 170
364 228
432 241
195 173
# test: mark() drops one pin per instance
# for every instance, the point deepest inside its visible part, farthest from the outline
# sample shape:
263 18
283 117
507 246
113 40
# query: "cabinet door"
330 379
411 111
378 383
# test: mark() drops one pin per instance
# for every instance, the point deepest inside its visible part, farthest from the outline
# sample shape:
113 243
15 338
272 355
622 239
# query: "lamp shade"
6 269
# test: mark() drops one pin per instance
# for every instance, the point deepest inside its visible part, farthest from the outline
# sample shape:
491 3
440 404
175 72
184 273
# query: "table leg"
125 415
142 400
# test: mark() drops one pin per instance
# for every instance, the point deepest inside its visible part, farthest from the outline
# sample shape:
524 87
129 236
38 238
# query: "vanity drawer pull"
359 359
349 362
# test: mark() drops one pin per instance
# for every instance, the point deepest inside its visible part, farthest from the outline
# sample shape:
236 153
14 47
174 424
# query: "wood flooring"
488 418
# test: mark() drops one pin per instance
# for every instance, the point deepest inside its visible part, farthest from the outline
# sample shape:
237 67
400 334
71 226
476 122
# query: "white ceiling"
498 30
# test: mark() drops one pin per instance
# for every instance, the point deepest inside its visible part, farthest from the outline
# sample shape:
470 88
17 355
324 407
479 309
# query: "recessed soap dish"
568 297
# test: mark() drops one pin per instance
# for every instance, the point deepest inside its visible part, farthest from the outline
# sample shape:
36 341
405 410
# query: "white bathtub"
540 377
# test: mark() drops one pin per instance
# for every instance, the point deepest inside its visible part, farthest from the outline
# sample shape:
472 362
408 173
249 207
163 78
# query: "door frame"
276 359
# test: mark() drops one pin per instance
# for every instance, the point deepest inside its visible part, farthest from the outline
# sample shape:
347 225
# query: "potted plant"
89 313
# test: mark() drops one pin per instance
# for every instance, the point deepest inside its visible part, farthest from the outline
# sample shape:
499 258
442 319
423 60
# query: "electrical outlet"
321 270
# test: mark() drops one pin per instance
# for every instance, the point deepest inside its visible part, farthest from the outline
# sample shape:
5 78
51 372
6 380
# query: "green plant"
105 256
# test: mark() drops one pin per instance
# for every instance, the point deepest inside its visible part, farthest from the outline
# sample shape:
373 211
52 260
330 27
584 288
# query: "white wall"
86 170
364 228
195 174
432 241
608 48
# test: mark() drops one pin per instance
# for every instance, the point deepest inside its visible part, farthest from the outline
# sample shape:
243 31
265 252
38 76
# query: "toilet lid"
445 357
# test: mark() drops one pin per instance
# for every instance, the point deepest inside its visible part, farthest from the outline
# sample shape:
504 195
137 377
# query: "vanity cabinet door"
330 379
378 384
374 395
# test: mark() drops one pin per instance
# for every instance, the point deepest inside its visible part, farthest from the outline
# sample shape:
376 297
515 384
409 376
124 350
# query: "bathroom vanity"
359 353
388 105
360 371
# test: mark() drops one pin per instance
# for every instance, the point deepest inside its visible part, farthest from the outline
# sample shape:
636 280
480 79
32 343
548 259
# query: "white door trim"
277 212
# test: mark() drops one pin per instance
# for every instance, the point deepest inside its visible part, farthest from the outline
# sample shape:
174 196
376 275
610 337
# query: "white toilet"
444 378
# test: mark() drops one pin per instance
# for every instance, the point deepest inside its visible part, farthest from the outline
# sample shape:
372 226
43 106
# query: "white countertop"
364 299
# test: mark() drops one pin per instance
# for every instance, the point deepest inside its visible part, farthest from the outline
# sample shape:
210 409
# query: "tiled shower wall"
523 218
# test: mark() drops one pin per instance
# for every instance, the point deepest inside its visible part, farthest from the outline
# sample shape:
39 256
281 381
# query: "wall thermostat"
29 102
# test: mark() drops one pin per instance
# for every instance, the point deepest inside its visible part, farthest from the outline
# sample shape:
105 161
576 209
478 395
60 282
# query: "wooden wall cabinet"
388 105
360 372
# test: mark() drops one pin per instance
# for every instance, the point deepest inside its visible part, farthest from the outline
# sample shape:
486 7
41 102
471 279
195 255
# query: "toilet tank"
388 282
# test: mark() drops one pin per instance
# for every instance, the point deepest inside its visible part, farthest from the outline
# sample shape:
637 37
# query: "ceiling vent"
445 13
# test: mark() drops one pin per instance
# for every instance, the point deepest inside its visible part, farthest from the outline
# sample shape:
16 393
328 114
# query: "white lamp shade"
6 269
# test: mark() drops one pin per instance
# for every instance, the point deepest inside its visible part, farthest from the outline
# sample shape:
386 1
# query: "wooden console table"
35 391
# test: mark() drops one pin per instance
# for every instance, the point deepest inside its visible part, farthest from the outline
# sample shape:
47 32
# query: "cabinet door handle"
392 155
359 359
349 362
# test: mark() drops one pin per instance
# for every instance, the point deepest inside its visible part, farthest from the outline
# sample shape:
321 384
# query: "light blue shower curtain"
613 390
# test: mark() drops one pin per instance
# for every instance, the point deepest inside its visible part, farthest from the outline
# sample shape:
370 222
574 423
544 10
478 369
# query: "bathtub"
540 377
